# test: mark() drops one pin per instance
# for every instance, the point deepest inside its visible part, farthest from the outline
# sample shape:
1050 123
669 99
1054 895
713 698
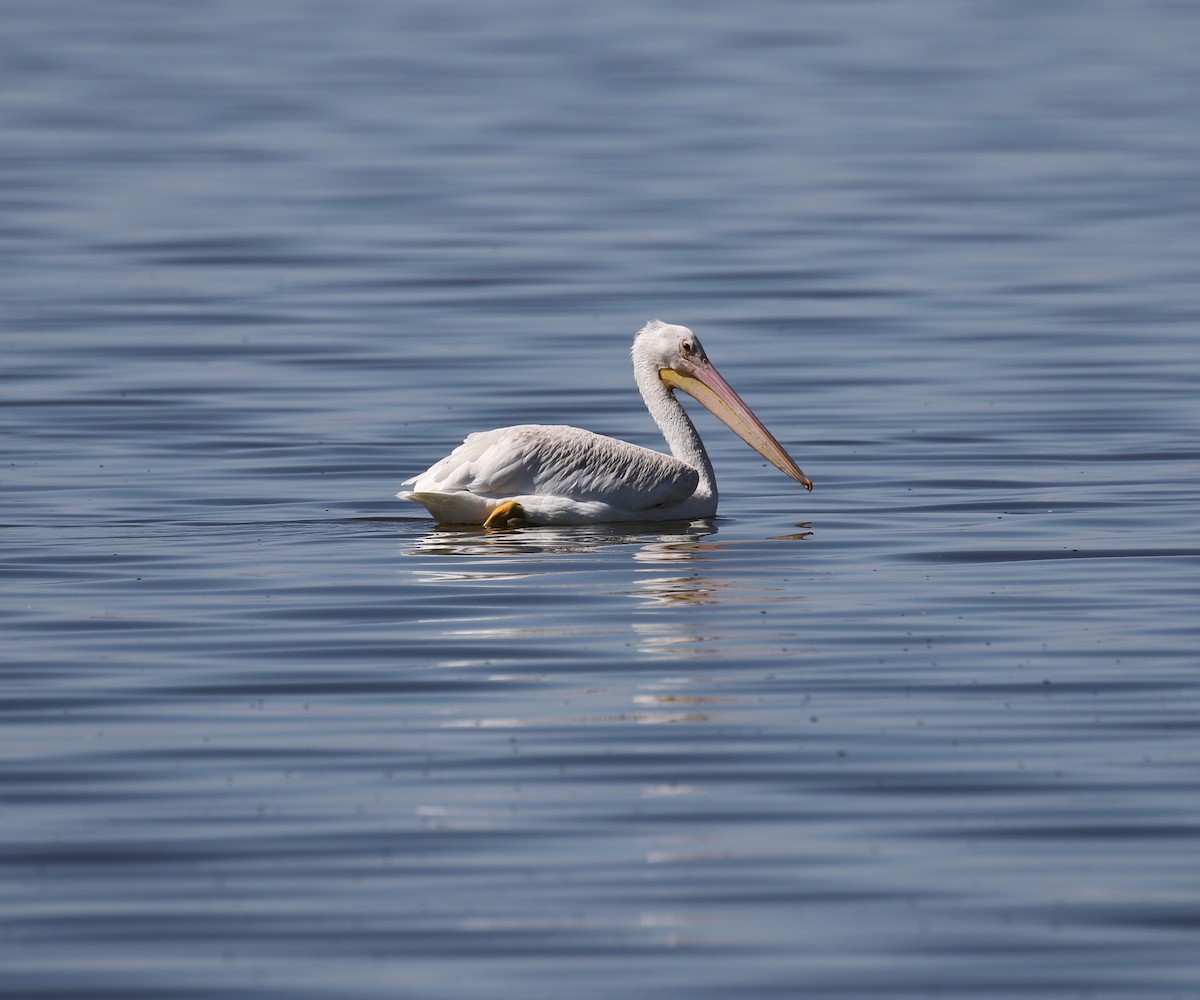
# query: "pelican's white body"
567 475
559 475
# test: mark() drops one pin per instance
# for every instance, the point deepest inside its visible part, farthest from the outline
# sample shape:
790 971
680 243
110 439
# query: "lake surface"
930 731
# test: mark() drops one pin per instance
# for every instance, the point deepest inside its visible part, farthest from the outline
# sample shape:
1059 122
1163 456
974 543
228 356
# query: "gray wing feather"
556 460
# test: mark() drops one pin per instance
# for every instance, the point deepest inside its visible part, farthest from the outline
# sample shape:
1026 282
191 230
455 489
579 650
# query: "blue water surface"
930 731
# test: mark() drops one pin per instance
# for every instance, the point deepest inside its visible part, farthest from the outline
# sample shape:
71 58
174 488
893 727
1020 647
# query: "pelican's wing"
555 460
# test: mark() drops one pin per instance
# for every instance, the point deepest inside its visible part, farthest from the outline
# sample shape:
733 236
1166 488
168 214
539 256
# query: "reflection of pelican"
655 544
543 474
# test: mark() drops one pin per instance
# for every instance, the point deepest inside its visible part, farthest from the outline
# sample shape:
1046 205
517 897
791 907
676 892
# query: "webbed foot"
505 513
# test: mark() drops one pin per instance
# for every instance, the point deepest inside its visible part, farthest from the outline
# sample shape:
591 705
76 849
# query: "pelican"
538 474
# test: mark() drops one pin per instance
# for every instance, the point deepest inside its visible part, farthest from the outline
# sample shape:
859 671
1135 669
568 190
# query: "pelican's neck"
676 426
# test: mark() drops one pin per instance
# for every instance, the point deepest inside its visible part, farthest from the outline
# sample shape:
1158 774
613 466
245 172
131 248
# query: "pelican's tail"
459 507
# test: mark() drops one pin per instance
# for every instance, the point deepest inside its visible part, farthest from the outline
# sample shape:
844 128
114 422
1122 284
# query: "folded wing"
556 460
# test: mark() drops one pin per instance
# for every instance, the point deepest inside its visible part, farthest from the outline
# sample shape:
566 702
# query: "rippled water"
928 731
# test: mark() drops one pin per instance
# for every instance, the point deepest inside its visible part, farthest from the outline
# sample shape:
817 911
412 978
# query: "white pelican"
551 474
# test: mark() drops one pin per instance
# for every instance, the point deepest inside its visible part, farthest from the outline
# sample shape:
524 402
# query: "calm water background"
929 731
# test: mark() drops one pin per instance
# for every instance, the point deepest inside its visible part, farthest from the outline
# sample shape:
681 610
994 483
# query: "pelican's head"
681 363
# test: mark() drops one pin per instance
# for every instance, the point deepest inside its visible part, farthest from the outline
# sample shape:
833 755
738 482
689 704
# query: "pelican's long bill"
706 385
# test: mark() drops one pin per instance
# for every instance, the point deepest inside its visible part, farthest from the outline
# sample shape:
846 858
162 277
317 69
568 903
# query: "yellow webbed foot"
508 511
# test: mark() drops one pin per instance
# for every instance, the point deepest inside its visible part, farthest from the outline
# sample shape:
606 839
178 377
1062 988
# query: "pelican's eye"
692 351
